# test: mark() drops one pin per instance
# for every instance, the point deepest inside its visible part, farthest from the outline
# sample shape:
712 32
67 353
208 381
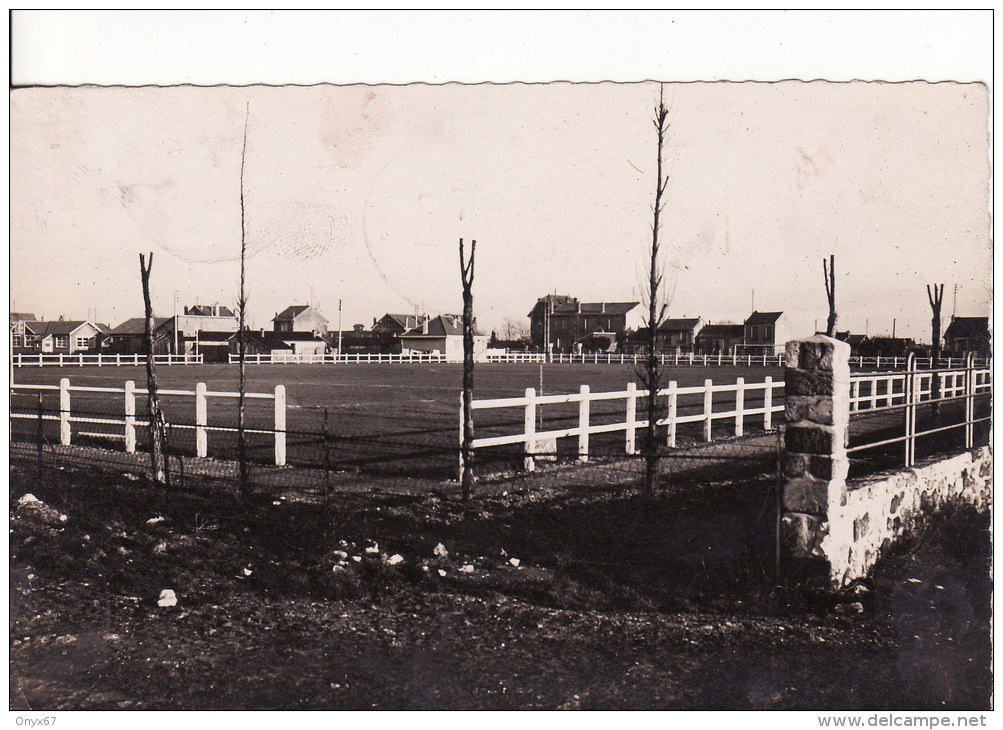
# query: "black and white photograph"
404 383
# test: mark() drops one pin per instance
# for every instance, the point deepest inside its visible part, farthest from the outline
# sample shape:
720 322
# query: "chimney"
602 307
424 325
215 309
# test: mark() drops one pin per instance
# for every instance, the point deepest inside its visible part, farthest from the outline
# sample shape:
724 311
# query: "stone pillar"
814 462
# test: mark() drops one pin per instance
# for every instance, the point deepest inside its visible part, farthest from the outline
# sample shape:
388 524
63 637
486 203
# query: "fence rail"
532 439
102 360
278 358
129 421
609 358
906 391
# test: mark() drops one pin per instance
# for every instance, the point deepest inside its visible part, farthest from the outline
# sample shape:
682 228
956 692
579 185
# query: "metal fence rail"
905 392
80 359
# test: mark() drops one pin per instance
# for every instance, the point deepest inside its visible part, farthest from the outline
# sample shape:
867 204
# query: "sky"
361 193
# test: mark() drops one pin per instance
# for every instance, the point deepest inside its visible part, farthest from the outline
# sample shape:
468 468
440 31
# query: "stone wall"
831 533
886 507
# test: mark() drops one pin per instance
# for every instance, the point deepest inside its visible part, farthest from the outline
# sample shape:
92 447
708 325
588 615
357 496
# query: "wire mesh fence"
404 437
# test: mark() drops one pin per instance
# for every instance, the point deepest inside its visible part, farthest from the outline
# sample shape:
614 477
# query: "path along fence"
80 359
128 420
917 403
537 443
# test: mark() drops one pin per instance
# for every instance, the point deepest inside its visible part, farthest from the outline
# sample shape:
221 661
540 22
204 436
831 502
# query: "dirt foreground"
576 599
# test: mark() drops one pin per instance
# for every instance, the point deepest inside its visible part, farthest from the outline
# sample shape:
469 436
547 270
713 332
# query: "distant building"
887 347
395 324
58 337
300 318
442 335
566 324
968 334
719 339
129 338
854 341
766 333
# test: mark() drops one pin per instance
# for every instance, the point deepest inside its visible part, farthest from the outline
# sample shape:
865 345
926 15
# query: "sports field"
389 418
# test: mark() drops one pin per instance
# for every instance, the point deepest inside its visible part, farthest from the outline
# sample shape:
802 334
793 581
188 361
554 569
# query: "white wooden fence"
608 358
289 358
103 360
532 439
200 411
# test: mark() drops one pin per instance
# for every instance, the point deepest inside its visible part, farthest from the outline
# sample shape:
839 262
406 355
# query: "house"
395 324
854 341
129 338
968 334
443 335
360 341
299 318
185 330
887 347
18 331
678 336
564 324
766 333
60 337
719 339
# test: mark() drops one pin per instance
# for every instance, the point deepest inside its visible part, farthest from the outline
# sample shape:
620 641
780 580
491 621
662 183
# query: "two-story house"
719 339
564 324
766 333
300 318
967 334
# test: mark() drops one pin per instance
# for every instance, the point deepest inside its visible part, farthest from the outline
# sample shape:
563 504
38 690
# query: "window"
85 343
18 340
767 334
62 340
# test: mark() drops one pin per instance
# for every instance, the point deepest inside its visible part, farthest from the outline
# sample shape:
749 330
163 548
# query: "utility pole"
339 328
175 321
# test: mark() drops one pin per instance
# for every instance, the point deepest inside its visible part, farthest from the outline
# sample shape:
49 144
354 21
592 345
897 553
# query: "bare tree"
936 298
829 275
515 329
158 429
466 452
241 332
651 376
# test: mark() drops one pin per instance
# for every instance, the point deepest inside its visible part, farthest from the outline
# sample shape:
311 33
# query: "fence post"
708 408
631 419
529 428
673 402
910 411
768 403
583 424
130 417
739 406
969 400
64 411
814 465
60 359
280 425
201 419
